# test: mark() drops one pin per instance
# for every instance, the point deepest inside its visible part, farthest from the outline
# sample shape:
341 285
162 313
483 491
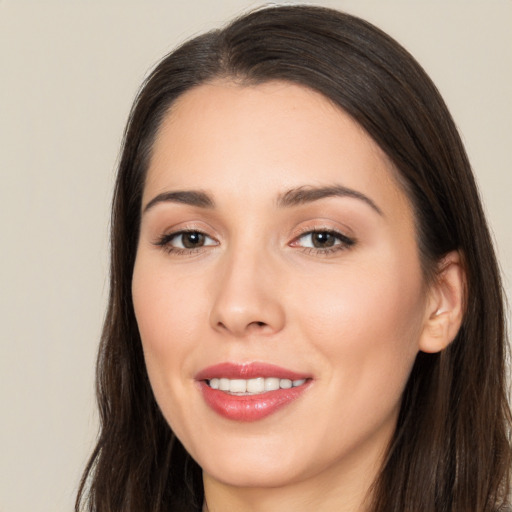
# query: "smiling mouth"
255 386
251 391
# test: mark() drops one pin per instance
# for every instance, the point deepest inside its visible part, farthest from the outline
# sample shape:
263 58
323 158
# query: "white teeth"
253 386
238 386
271 384
285 383
256 385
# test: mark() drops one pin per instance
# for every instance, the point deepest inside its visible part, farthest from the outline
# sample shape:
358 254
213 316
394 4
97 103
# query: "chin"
253 466
254 477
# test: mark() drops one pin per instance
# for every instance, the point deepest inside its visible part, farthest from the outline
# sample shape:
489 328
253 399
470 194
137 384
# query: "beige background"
69 71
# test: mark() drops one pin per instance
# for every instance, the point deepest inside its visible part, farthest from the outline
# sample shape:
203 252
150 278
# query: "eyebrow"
190 197
309 194
291 198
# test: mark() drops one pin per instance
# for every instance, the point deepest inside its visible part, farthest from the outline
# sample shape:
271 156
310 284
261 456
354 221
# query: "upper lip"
230 370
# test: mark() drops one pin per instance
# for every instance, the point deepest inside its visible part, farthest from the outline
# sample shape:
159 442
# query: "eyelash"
342 242
165 243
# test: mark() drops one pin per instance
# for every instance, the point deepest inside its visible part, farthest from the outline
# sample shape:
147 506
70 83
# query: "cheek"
364 327
366 324
168 312
163 306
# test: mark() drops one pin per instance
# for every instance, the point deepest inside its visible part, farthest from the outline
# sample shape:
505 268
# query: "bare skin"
245 269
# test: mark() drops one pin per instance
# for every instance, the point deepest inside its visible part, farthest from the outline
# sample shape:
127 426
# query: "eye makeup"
321 241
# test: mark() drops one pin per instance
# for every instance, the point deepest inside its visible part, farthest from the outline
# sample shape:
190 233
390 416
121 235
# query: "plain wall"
69 72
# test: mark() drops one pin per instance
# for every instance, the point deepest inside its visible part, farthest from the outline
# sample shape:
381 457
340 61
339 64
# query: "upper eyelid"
218 234
184 227
300 233
343 238
173 234
342 231
329 231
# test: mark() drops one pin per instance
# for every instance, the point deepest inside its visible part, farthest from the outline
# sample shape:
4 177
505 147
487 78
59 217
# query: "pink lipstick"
250 392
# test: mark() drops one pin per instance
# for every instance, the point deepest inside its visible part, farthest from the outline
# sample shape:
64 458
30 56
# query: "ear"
445 305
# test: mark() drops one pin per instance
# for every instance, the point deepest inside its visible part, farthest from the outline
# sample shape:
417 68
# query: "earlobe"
445 305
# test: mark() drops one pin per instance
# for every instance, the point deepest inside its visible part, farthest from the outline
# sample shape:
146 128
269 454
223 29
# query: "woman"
305 308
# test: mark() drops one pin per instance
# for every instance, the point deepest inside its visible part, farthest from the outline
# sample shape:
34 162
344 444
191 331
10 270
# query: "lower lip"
250 407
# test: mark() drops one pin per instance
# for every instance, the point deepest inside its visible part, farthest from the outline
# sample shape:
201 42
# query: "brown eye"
185 241
322 239
192 239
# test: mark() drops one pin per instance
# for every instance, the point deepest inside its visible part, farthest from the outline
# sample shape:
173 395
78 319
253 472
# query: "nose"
247 291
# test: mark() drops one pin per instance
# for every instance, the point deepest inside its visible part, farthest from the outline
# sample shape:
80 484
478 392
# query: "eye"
190 240
323 241
185 241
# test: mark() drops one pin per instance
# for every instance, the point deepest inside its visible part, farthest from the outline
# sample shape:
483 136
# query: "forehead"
265 138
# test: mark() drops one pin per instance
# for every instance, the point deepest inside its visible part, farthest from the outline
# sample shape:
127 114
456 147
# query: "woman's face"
276 249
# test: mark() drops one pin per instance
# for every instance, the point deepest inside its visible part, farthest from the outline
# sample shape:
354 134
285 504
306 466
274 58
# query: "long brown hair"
451 451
